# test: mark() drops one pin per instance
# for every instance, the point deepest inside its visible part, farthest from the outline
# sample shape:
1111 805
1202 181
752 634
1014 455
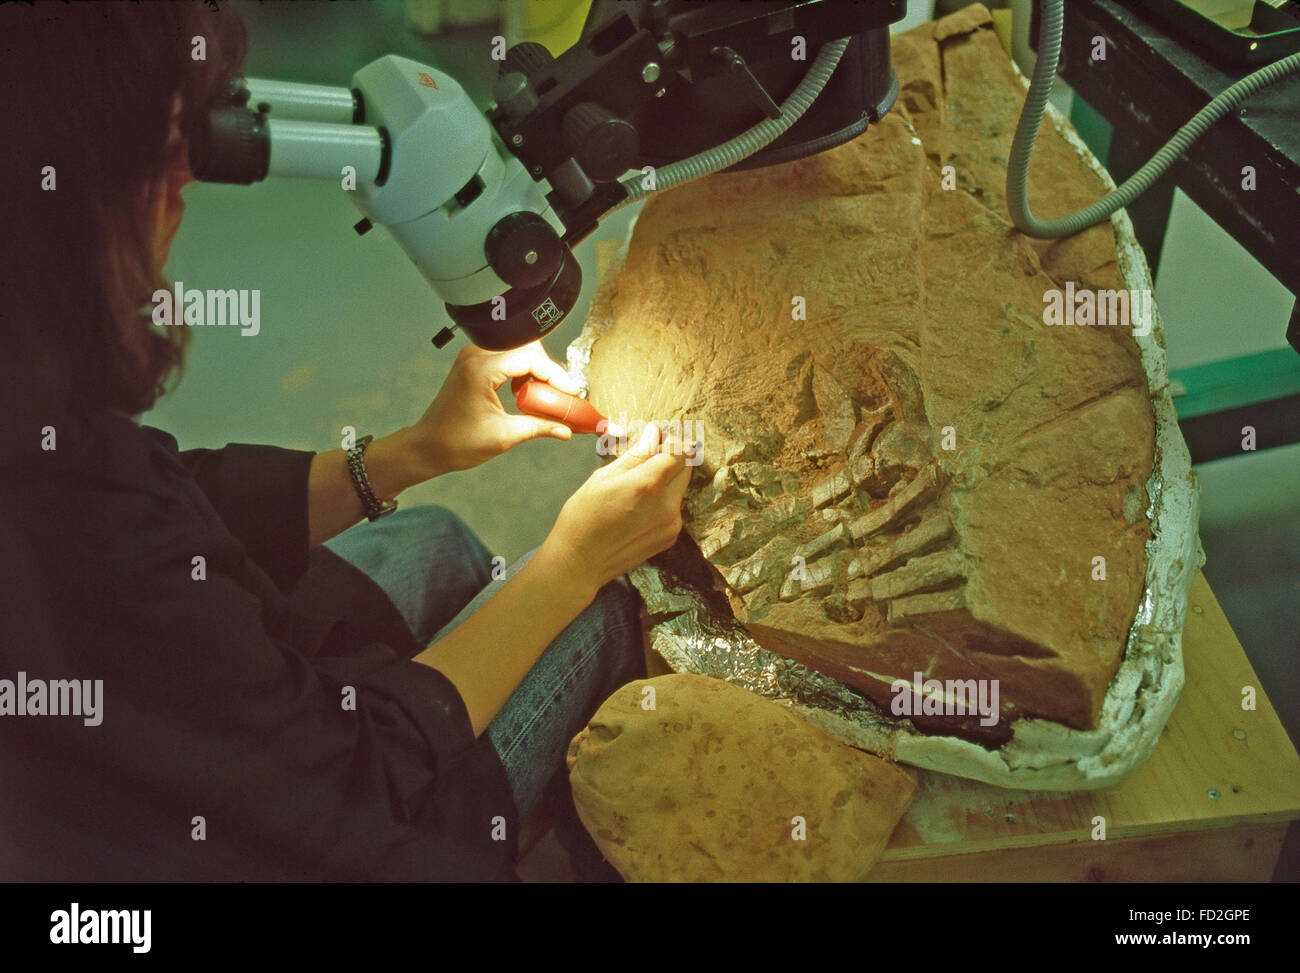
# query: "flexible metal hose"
748 142
1049 51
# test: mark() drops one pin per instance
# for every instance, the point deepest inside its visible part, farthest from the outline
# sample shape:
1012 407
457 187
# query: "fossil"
905 467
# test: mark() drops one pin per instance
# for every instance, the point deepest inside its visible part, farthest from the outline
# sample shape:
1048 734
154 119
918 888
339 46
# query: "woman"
263 708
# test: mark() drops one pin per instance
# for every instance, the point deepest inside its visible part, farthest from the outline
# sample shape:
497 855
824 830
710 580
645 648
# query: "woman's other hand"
626 512
466 424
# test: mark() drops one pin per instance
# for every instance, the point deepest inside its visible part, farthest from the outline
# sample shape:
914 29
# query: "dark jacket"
222 698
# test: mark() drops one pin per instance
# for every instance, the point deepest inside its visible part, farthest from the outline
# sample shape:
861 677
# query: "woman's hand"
626 512
466 425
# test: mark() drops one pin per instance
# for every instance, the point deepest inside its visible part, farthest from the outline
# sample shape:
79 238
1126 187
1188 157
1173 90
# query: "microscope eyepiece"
229 144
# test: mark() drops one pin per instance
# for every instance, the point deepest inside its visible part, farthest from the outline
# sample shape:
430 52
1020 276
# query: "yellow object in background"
556 24
434 16
1002 28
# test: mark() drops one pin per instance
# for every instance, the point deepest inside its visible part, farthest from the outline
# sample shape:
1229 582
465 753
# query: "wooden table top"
1216 766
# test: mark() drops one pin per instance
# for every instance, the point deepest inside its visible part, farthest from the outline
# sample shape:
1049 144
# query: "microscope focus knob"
524 249
528 58
513 95
605 145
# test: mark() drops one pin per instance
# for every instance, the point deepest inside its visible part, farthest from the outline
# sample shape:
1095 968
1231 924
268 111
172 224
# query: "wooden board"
1216 767
1245 853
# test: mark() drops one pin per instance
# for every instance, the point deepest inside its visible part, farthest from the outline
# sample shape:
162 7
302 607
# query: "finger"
608 427
549 370
532 359
471 351
678 484
646 445
502 365
661 468
523 428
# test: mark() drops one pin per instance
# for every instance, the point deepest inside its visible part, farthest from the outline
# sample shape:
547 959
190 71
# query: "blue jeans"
438 573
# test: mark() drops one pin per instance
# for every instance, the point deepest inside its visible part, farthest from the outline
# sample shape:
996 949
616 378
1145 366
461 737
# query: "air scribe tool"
538 398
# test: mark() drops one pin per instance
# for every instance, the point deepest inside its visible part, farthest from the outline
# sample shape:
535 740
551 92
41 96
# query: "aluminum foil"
692 638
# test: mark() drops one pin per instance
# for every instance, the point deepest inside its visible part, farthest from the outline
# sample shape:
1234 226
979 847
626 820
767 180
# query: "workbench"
1212 804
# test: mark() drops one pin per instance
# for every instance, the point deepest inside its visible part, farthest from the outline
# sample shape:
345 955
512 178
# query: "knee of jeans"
447 536
620 610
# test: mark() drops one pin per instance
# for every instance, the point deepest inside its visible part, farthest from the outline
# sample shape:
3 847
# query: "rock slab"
715 783
905 468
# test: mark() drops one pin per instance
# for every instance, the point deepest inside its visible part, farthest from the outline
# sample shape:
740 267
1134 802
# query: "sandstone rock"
924 328
717 784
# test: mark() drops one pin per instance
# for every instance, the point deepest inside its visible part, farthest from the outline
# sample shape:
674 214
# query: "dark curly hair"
89 90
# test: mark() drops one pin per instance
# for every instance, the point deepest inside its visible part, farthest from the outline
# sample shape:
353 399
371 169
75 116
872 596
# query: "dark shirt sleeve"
261 494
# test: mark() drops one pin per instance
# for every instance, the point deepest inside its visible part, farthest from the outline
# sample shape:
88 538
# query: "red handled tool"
538 398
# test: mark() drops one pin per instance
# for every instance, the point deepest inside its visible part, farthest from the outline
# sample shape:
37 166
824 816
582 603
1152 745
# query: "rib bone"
819 578
928 533
834 487
923 488
833 538
919 574
926 604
